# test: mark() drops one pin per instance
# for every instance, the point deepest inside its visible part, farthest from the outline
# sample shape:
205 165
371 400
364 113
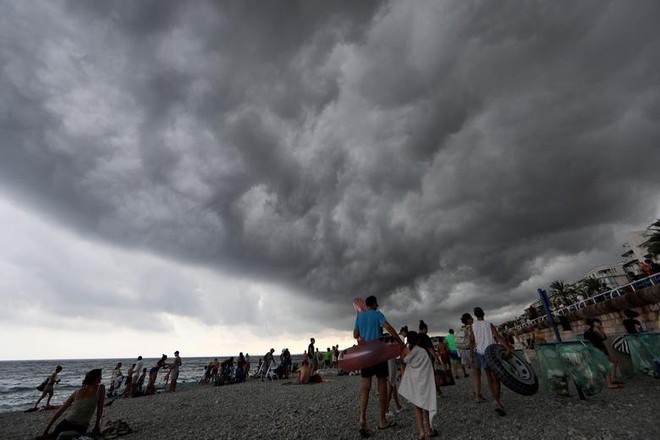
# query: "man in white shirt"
483 334
137 370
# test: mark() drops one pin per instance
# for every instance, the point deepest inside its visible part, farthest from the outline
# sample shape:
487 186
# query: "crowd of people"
417 375
423 366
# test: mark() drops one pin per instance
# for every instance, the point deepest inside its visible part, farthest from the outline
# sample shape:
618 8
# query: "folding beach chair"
271 372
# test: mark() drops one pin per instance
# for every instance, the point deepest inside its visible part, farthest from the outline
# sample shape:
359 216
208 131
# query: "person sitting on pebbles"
82 403
306 375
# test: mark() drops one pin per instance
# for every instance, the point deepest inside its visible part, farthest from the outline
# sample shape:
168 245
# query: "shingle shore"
285 410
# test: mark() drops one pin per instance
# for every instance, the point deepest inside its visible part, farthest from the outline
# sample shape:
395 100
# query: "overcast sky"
217 177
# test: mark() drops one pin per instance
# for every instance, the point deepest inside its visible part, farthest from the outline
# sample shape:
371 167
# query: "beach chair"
271 371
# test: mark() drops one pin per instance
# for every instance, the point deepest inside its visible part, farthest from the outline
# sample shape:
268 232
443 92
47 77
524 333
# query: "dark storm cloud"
413 150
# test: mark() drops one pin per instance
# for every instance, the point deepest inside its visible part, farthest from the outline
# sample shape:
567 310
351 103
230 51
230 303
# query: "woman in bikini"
81 404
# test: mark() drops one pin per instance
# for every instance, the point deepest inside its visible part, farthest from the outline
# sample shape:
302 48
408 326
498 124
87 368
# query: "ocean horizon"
19 378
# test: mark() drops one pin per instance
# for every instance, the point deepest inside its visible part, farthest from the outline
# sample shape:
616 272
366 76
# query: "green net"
586 366
645 352
552 371
561 363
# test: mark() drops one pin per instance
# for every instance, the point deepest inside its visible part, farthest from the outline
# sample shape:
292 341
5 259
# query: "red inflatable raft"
367 354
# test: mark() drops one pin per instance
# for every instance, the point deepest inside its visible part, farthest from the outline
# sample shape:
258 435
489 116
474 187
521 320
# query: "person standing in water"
49 388
368 326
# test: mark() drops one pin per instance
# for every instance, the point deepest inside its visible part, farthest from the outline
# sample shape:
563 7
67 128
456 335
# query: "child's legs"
390 394
420 419
427 420
396 398
615 364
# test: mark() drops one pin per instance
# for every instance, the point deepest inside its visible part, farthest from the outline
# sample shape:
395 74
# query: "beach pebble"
330 410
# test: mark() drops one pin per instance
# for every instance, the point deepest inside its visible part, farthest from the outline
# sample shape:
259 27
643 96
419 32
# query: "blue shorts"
480 361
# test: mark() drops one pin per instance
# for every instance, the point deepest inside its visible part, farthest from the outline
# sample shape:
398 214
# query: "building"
613 276
635 251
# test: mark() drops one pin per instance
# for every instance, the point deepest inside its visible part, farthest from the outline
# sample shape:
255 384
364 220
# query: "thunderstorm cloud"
438 154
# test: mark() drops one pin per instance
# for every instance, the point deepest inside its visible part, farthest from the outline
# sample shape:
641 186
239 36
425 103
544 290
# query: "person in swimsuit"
214 366
128 391
153 375
174 371
140 382
81 405
49 389
137 369
116 380
631 323
596 335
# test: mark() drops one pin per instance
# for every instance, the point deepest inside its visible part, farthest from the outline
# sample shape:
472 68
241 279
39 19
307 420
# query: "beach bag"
42 385
444 378
462 339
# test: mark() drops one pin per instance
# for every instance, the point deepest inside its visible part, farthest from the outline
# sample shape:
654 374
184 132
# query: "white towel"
418 383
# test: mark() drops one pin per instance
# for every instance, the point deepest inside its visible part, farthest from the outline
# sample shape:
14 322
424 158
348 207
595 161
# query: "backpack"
462 339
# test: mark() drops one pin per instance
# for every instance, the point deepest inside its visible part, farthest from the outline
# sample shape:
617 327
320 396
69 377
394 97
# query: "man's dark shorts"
380 370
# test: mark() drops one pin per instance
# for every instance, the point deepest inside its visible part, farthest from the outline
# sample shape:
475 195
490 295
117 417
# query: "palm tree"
591 284
560 288
653 243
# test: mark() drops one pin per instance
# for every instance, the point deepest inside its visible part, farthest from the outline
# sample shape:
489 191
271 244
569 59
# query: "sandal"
123 429
500 411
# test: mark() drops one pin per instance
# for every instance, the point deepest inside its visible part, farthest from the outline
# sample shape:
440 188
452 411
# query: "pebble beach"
282 409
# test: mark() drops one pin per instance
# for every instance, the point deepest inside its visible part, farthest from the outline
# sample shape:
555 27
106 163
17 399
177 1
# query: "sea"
19 379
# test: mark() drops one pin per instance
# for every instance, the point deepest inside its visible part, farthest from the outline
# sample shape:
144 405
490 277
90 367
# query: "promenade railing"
642 283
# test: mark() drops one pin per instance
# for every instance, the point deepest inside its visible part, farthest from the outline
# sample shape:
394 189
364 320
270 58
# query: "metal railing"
598 298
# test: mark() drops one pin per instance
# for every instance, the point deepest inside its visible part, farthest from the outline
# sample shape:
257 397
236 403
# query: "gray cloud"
417 151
